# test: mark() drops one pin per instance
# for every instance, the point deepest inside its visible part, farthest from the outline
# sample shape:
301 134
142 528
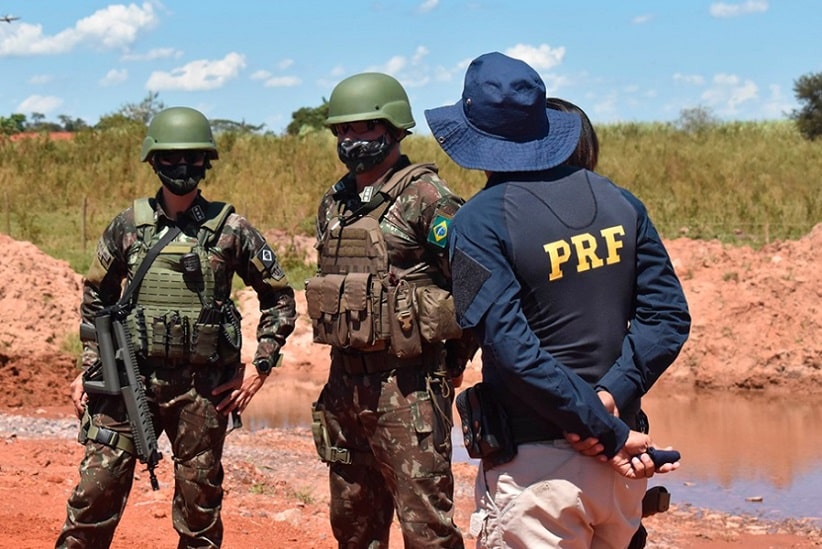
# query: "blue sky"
258 61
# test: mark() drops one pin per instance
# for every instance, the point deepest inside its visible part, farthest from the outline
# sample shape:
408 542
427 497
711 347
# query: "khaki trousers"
549 495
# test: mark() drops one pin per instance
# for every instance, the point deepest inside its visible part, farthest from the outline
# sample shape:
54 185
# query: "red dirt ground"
757 321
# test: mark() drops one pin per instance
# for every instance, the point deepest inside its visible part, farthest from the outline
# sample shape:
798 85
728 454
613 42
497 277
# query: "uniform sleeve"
660 323
103 282
487 300
259 268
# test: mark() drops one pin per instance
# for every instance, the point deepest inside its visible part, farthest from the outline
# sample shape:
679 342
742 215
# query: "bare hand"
78 396
633 462
238 391
590 447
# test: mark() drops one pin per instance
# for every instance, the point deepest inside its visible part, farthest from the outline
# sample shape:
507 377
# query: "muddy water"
752 454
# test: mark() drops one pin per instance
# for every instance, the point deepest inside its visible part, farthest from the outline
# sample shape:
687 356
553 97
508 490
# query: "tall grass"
738 182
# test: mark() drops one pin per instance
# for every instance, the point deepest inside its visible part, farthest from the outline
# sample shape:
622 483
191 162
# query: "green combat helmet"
179 128
370 96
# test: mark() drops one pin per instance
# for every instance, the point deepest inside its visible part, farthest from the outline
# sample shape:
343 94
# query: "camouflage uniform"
395 424
179 393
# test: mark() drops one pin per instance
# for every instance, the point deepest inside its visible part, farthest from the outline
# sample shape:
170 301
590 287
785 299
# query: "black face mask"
180 179
362 155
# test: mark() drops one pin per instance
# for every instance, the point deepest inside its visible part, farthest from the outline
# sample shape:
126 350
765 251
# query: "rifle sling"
143 268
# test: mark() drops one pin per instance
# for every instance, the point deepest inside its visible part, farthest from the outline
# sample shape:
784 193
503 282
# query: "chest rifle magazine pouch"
359 314
402 320
324 296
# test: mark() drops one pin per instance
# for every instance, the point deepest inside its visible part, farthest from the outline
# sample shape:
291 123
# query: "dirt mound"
39 317
757 314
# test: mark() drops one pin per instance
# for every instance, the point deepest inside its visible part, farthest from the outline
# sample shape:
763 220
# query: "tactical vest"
355 302
176 313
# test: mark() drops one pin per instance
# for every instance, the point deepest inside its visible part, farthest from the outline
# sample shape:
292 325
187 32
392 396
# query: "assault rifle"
121 376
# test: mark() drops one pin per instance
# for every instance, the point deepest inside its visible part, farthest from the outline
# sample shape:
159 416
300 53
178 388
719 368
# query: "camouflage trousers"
397 427
183 408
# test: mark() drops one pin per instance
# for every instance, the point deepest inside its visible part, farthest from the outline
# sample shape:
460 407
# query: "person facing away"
188 349
381 300
565 282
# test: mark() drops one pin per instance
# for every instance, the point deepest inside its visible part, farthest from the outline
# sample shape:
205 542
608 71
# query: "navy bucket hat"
502 123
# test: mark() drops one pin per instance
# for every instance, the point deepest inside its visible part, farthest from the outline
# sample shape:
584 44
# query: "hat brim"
475 149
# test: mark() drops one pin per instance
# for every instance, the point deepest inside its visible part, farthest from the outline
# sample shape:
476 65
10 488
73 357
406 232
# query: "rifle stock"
121 375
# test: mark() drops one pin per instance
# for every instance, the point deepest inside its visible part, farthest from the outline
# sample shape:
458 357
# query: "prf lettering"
584 249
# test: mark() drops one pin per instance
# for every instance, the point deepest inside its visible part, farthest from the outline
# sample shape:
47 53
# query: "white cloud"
116 26
721 9
539 57
198 75
152 55
642 19
283 82
114 77
285 64
39 103
690 79
728 91
260 75
40 79
428 5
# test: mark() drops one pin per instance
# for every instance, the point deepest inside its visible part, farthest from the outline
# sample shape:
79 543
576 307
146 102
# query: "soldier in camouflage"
381 299
193 383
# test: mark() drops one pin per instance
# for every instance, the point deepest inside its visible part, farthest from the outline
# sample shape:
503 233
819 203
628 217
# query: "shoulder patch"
268 259
438 234
104 255
469 276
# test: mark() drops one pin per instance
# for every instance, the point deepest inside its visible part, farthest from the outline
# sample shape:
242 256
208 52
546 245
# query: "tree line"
807 90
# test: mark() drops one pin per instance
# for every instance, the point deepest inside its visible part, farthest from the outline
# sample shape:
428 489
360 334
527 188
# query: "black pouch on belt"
485 428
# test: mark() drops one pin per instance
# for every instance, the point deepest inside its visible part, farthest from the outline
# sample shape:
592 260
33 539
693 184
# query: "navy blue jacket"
567 284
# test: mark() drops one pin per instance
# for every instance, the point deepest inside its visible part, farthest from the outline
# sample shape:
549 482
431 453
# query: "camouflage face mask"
361 155
180 179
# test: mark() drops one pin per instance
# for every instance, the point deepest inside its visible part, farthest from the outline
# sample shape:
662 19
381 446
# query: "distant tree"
72 124
808 90
16 123
308 119
230 126
696 120
130 113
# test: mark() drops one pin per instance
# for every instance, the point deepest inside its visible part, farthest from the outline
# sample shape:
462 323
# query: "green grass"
740 182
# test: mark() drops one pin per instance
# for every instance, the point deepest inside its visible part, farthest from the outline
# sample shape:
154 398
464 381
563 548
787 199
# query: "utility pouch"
204 342
438 321
324 295
357 307
485 428
402 321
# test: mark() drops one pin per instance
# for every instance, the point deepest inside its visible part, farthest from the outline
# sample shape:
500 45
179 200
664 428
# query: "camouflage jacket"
409 228
240 249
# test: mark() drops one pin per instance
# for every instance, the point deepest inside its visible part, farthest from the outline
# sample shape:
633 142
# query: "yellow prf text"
583 250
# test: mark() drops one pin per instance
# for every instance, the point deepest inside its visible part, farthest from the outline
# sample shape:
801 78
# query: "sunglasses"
363 126
179 157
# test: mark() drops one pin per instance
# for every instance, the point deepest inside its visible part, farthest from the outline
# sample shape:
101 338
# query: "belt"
357 363
534 430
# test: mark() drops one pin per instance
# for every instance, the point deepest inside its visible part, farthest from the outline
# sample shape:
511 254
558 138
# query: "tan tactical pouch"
324 296
357 305
402 321
169 337
435 308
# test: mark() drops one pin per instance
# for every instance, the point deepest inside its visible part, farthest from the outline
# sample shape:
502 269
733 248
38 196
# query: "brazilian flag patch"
438 235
